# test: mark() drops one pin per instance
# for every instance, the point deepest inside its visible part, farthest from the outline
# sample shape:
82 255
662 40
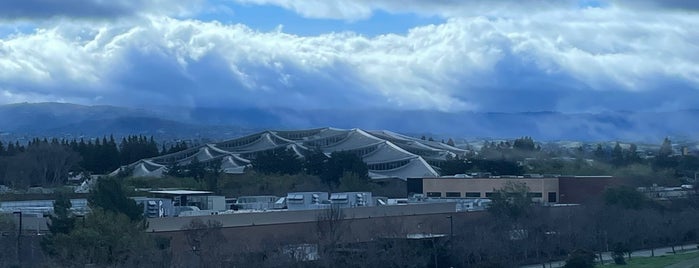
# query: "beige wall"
483 186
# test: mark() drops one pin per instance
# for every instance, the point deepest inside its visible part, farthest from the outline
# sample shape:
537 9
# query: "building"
307 200
387 154
352 199
546 189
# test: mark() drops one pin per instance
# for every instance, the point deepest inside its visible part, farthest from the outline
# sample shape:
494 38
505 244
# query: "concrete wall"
275 236
488 185
285 217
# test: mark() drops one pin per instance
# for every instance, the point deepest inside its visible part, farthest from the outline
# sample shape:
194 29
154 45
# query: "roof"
405 156
180 192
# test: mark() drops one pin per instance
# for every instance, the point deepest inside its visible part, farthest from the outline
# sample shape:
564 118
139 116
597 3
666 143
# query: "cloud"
667 4
555 59
362 9
353 10
91 9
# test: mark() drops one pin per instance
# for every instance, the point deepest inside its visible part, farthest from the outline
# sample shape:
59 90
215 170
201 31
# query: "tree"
8 240
511 201
450 142
351 182
61 222
341 162
109 196
314 163
617 156
524 144
41 164
625 197
580 258
280 161
105 239
205 240
454 166
664 158
599 153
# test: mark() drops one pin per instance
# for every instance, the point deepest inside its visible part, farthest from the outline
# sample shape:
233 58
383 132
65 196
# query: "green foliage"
511 201
580 258
618 251
109 196
280 161
625 197
253 183
340 163
315 163
618 156
8 239
351 182
455 166
103 239
524 144
134 148
62 220
42 163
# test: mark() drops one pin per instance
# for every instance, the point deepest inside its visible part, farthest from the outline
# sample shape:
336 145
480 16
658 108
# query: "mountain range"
73 120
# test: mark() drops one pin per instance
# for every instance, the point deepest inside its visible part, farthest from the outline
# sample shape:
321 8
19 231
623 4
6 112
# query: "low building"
307 200
546 189
352 199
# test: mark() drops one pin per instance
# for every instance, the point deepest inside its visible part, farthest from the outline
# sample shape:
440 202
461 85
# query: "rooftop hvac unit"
360 200
315 199
152 209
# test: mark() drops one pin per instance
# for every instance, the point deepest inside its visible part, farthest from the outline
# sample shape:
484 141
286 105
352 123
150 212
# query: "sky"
569 56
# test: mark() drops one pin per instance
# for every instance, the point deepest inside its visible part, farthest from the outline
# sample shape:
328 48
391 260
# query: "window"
434 194
453 194
473 194
489 194
553 198
535 195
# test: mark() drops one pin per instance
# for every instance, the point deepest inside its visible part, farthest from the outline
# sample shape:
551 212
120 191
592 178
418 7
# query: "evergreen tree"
450 142
617 155
631 155
341 162
664 158
599 153
109 195
314 163
279 161
524 144
61 222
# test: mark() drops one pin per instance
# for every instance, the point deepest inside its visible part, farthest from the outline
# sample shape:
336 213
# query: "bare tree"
206 241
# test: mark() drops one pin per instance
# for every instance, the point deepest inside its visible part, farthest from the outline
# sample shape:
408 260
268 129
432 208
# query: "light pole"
451 226
19 238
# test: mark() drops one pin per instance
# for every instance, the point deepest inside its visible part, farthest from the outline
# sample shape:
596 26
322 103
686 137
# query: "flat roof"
180 192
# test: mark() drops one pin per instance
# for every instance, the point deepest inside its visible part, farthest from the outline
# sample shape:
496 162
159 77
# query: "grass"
659 261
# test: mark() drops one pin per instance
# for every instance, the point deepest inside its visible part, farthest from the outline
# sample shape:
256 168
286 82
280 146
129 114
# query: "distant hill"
19 121
59 119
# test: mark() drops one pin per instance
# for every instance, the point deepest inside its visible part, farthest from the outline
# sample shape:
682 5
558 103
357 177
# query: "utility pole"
19 239
451 226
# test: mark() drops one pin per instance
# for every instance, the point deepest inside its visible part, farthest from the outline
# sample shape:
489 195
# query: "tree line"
43 162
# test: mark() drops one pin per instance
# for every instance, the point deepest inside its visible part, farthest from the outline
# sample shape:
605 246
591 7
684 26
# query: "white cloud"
466 63
94 9
362 9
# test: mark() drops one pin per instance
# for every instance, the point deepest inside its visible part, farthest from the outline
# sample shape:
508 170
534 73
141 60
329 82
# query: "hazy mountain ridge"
52 119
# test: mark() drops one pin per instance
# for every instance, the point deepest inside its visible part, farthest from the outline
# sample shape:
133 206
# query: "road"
607 256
